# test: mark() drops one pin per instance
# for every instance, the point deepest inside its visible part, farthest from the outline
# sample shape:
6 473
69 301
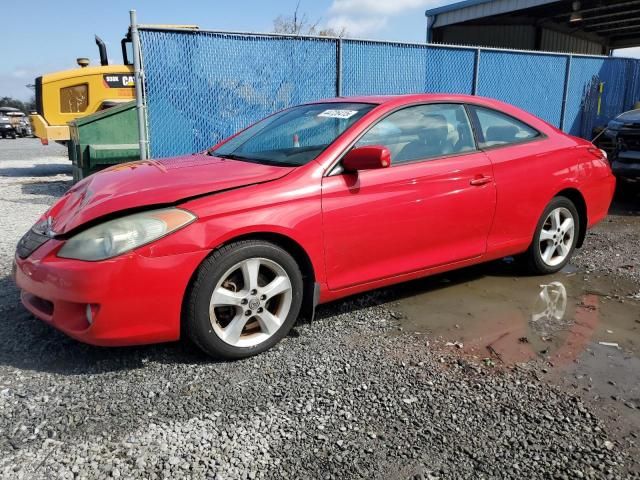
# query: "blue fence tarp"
201 87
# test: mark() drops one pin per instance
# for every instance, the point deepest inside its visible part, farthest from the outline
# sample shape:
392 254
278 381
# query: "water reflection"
514 319
553 302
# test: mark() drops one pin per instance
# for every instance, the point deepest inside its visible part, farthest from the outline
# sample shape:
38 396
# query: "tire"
547 238
247 318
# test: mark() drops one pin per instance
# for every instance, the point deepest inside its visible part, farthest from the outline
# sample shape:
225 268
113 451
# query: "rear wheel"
245 299
556 236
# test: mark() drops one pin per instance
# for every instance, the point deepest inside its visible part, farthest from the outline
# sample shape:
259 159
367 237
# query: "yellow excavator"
70 94
64 96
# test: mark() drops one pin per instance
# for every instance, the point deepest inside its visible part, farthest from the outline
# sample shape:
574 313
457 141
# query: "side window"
421 132
74 99
500 129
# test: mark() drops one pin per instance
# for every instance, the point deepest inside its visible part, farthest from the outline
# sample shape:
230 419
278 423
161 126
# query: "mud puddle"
584 328
514 318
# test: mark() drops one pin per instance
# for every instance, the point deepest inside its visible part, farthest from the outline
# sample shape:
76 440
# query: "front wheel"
555 238
245 298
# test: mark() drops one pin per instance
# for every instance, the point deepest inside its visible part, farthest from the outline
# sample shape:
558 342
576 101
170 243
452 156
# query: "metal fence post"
476 72
565 93
339 68
625 96
139 78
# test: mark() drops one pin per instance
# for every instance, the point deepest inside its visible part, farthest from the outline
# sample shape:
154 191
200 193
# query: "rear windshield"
295 136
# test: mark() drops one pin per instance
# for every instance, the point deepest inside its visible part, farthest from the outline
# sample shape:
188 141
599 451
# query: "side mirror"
366 158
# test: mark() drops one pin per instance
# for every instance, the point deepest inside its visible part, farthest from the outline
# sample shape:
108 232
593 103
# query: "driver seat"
433 140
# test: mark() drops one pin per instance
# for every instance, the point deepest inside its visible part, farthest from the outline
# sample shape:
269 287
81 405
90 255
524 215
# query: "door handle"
480 180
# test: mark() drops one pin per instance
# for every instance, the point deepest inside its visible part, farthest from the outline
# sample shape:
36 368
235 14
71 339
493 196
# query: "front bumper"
626 165
624 152
44 131
133 299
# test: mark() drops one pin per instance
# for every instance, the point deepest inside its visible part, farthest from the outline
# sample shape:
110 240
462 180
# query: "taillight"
601 155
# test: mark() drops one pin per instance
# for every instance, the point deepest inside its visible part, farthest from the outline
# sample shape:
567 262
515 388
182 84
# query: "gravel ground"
346 397
612 246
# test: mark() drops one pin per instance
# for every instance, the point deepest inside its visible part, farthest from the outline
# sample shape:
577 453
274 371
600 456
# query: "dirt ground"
480 373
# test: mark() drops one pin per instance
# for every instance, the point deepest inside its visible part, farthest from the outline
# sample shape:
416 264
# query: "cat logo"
119 80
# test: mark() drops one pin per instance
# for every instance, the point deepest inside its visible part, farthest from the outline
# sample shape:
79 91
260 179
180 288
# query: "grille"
40 304
631 141
29 243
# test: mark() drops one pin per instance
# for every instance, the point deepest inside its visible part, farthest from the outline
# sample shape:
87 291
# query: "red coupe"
316 202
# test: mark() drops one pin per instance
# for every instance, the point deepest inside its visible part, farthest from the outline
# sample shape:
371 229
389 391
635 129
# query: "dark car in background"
621 141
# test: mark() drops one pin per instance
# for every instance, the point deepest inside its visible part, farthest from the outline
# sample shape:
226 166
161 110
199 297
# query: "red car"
313 203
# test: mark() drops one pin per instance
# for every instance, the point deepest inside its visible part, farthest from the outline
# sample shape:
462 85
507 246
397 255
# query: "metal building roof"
615 23
471 9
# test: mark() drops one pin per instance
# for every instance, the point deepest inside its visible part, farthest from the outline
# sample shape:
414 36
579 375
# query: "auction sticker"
338 113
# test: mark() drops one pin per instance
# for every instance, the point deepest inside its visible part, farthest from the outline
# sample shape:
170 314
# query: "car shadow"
39 170
51 189
30 344
626 202
507 267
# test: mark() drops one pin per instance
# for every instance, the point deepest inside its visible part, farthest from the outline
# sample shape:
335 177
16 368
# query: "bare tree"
26 107
299 24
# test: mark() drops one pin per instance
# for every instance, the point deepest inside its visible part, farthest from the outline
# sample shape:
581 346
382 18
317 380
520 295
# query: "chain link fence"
203 86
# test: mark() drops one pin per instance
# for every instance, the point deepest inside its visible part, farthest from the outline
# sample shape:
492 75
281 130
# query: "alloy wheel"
556 236
250 302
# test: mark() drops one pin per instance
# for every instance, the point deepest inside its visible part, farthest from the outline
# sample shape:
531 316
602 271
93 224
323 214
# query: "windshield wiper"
230 156
261 161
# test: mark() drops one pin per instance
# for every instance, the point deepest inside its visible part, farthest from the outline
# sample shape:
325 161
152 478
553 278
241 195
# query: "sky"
47 36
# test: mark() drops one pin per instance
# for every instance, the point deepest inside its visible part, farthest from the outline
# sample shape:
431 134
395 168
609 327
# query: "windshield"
295 136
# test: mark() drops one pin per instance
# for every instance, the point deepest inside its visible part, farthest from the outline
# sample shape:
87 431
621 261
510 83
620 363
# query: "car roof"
393 101
404 98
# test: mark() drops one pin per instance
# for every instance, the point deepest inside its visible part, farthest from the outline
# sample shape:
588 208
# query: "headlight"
615 125
116 237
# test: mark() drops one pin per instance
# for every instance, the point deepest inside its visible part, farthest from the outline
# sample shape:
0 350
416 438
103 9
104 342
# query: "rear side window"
500 129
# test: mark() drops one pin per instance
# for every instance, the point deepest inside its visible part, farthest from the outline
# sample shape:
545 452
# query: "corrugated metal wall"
553 41
500 36
519 37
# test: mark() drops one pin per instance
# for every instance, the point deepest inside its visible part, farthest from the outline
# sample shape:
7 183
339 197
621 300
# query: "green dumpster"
105 138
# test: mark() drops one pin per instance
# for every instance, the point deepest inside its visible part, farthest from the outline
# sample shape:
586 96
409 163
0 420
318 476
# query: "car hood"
154 182
632 116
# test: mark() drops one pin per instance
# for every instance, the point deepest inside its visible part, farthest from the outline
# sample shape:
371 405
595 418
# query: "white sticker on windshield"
338 113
